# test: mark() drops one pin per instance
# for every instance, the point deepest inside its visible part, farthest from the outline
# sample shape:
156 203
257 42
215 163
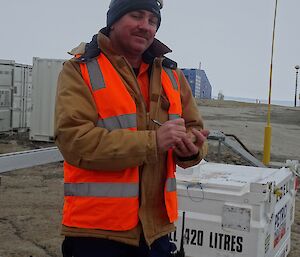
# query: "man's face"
134 32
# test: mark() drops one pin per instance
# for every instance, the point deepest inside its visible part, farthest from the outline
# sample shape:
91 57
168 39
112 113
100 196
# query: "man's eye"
136 16
153 22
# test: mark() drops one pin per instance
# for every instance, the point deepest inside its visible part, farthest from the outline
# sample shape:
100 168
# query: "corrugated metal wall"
6 82
15 95
22 96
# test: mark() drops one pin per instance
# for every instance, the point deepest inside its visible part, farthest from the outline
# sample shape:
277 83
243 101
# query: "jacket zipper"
137 84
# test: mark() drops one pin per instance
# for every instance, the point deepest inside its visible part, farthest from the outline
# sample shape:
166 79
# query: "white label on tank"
236 218
280 224
195 238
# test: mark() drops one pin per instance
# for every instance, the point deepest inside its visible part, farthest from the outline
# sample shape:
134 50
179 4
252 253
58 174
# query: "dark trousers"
97 247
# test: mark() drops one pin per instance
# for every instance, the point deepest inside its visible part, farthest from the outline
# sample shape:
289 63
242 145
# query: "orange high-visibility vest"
110 200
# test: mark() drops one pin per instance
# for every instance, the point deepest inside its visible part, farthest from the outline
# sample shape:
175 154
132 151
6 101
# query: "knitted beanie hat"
118 8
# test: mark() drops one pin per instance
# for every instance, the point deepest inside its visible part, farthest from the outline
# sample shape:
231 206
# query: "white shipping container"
235 211
5 116
15 95
22 96
44 81
6 82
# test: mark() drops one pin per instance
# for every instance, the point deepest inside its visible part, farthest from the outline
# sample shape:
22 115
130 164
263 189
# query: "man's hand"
170 134
190 145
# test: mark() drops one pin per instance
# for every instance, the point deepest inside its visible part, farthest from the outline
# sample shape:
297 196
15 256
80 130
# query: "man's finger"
205 132
179 121
200 136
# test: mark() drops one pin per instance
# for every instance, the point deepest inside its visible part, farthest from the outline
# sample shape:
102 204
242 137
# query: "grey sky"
231 38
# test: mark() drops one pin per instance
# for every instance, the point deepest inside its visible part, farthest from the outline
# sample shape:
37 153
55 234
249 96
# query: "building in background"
199 83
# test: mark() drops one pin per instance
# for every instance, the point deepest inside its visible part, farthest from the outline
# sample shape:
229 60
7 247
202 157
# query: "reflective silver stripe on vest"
171 184
118 122
174 116
96 76
102 189
172 77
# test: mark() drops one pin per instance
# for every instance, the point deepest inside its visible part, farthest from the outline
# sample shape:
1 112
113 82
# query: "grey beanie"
118 8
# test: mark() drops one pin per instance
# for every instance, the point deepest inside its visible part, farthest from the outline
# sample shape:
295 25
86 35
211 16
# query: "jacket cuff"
192 160
188 158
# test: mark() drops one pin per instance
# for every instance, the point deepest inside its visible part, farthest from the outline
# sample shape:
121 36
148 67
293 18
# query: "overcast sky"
231 38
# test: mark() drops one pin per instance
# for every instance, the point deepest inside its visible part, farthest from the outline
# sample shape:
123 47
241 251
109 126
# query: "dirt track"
31 199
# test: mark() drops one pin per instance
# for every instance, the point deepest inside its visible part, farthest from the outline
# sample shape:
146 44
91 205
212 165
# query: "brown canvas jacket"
87 146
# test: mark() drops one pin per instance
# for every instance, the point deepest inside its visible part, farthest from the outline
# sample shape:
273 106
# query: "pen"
157 122
192 137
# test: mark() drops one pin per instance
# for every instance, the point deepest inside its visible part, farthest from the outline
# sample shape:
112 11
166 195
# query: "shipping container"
44 82
235 211
15 95
22 97
6 82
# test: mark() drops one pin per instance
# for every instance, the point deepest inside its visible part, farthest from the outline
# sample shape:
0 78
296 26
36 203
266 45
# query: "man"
124 117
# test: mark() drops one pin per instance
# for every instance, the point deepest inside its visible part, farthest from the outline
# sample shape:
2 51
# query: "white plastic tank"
235 211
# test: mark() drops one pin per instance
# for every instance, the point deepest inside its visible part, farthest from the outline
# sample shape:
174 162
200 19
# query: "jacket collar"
156 49
101 43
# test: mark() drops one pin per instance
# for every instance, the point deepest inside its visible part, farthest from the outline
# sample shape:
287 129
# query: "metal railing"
27 159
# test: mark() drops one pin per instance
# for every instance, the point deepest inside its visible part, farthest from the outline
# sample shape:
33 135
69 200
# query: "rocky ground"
31 199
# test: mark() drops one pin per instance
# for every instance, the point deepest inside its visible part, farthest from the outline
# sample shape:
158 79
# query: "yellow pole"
268 128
